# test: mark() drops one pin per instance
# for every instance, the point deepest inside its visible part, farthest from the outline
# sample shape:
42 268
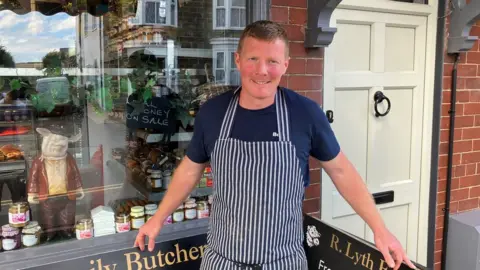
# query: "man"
258 140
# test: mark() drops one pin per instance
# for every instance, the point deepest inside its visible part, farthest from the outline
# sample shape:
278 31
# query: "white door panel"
373 52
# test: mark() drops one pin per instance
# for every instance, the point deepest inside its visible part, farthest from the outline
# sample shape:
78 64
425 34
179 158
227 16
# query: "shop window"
160 12
224 63
229 14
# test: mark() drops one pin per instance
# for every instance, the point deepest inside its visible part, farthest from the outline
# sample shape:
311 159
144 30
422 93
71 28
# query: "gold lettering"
167 260
92 262
160 260
193 253
347 252
369 263
358 257
99 264
382 262
147 265
335 241
130 262
202 248
184 252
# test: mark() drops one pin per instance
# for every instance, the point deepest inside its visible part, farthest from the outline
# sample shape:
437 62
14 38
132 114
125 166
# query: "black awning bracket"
319 33
462 18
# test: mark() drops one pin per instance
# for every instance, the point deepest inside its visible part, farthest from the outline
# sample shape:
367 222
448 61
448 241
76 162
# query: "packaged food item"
11 238
209 176
137 214
150 210
31 234
19 214
84 229
203 210
168 220
178 215
122 223
190 209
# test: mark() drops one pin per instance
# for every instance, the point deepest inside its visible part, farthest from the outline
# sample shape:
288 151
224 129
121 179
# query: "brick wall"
304 75
465 194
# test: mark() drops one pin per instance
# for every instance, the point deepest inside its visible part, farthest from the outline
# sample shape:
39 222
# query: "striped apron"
256 215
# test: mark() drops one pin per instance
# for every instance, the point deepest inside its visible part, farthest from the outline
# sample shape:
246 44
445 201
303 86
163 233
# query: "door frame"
427 185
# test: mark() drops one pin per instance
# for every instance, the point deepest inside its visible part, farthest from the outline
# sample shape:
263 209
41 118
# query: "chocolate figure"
54 183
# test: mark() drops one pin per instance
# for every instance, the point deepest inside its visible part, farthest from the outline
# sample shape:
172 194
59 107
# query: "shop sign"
155 113
326 249
331 249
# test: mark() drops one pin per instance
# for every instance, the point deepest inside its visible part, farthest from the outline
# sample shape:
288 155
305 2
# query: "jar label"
157 183
177 217
29 240
203 213
85 234
123 227
137 223
191 213
9 244
18 218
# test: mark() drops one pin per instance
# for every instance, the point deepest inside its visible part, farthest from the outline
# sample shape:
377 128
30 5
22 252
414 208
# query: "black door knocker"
379 97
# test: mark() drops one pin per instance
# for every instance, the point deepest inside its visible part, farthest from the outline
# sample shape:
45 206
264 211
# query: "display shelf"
146 192
15 123
16 138
14 165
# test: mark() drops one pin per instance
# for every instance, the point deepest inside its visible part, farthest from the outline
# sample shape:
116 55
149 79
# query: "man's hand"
391 249
150 229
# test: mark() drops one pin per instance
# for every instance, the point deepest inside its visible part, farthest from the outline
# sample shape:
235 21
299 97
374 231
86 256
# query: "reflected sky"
31 36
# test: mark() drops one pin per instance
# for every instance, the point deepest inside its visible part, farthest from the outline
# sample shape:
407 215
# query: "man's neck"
251 103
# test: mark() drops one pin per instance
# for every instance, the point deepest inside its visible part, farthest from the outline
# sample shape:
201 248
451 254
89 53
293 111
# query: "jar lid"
167 173
137 209
150 207
29 229
180 207
123 215
32 223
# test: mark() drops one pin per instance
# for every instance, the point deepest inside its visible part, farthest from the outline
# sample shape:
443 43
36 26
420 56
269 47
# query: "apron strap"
282 116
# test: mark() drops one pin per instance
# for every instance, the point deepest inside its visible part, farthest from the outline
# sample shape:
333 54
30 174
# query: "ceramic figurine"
54 183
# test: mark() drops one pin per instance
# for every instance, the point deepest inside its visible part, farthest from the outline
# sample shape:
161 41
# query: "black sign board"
326 248
155 113
330 249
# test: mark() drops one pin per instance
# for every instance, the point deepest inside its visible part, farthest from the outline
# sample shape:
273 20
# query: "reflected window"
156 12
229 14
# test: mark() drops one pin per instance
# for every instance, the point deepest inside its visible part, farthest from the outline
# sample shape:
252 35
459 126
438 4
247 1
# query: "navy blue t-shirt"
310 131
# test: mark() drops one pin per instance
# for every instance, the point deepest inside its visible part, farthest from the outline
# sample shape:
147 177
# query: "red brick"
441 197
315 176
476 145
459 171
447 85
469 181
279 14
460 121
298 16
315 66
296 66
314 163
290 3
475 95
439 221
447 69
468 204
473 57
442 185
472 83
313 191
463 96
442 174
284 81
296 32
297 49
311 206
458 147
467 70
475 192
453 208
315 96
471 169
460 194
475 31
444 134
472 157
438 265
458 109
471 133
471 108
442 160
477 120
305 82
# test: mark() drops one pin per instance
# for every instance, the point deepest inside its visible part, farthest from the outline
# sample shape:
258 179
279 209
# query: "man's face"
261 65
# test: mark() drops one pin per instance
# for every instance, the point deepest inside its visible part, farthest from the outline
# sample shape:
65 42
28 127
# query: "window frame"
227 46
228 5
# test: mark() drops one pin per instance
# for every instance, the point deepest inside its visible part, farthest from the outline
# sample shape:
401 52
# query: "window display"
97 108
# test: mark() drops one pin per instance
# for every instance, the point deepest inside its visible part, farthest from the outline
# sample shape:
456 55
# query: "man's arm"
351 186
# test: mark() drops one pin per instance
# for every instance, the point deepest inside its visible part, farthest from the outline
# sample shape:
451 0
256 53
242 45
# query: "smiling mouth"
261 82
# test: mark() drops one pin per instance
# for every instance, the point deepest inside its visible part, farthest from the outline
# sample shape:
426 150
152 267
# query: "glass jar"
190 209
122 223
156 183
167 178
150 210
31 234
178 215
202 209
19 214
84 229
168 220
138 217
11 238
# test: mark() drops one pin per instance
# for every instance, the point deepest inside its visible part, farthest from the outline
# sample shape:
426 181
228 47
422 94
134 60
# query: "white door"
377 51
